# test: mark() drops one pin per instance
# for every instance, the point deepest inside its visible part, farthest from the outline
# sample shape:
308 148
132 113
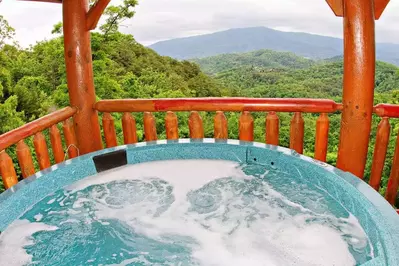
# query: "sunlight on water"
187 212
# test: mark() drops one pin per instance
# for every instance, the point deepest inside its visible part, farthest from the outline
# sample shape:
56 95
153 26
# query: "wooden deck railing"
385 111
35 129
220 105
245 106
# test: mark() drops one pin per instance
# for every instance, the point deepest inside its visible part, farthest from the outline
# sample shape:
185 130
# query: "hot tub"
196 202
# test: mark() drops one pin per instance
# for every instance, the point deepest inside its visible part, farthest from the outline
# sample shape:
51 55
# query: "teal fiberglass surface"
376 217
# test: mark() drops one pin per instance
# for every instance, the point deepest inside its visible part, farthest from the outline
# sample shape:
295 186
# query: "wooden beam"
78 60
358 85
337 6
379 7
94 14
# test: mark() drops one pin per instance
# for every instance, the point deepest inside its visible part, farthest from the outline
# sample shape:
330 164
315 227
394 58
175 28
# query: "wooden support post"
25 159
321 144
272 128
196 126
79 70
246 127
358 88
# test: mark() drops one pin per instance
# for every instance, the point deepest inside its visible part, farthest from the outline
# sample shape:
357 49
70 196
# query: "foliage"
116 15
264 60
6 32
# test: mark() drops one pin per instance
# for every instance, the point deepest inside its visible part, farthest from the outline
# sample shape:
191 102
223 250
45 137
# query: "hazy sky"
165 19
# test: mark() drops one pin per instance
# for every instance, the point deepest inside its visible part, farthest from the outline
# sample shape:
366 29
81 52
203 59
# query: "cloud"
165 19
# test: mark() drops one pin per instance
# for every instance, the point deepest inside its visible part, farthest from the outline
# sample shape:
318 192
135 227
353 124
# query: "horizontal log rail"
219 104
387 110
13 136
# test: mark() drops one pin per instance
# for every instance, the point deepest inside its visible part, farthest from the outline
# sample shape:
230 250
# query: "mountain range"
251 39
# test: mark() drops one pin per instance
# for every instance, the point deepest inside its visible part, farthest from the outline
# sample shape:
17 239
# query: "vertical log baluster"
171 126
196 126
150 130
246 127
220 126
70 138
321 143
39 141
129 128
297 133
56 144
393 182
272 128
109 130
25 159
380 152
7 170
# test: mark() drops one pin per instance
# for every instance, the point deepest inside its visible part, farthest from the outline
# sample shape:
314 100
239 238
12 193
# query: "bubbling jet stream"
186 212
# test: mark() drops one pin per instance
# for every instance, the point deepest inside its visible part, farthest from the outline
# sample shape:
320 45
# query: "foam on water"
185 212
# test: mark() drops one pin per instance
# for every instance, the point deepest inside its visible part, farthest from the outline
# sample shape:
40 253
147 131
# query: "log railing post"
220 126
171 126
358 85
321 143
196 126
150 129
297 133
7 170
272 128
43 158
246 127
109 130
56 144
25 159
380 152
393 181
70 138
129 128
78 59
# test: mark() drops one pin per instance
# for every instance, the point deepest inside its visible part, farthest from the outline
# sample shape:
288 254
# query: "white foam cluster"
15 238
223 236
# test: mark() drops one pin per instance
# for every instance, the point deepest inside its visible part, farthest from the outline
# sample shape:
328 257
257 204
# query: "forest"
33 83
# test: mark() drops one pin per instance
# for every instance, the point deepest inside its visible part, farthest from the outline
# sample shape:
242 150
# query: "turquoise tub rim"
384 216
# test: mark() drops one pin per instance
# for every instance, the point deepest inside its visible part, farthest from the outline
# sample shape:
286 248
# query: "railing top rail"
219 104
387 110
27 130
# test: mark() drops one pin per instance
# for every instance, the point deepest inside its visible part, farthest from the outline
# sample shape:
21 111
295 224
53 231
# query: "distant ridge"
257 38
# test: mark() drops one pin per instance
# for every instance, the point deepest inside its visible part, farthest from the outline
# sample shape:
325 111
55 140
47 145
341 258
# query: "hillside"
278 70
260 58
252 75
251 39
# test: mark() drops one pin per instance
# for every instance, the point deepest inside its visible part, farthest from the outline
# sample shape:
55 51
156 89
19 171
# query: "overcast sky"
157 20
